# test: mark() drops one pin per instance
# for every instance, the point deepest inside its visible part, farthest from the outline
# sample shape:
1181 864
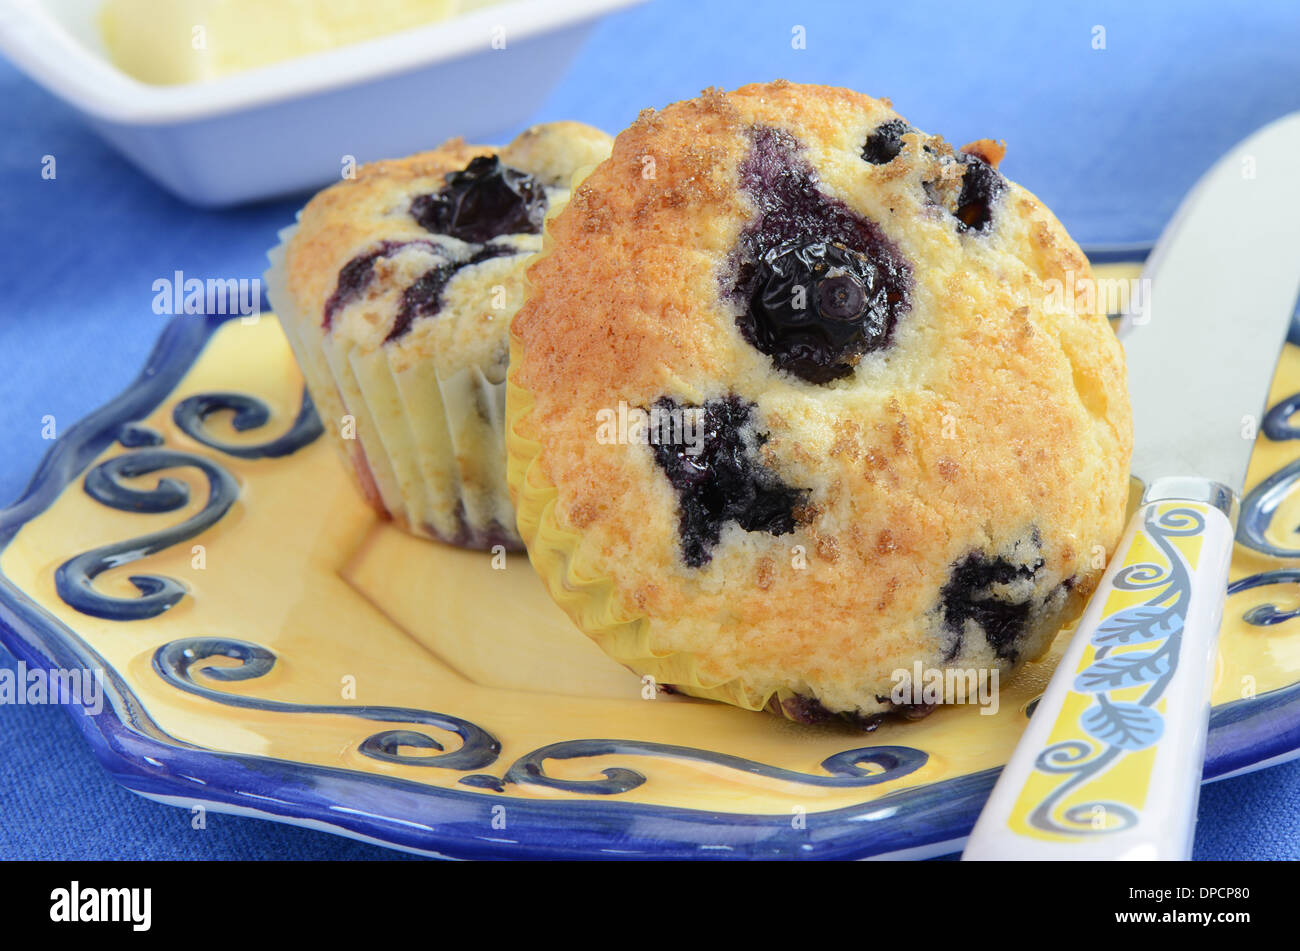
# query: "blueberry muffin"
395 290
790 409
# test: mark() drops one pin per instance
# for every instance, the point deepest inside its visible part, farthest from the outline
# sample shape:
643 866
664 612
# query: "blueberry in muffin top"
723 481
483 201
819 284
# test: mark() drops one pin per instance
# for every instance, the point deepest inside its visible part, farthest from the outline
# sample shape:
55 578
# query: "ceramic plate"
267 647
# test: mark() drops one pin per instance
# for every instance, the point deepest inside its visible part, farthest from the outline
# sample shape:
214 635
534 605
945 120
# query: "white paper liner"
427 448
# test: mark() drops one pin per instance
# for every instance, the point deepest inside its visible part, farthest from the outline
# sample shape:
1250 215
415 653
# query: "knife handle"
1110 764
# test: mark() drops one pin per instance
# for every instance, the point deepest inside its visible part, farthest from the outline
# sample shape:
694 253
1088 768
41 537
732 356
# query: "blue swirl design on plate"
174 663
1261 503
74 579
249 412
1123 726
845 769
1264 615
1260 506
135 436
483 781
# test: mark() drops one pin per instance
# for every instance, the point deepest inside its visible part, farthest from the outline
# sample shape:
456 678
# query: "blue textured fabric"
1110 138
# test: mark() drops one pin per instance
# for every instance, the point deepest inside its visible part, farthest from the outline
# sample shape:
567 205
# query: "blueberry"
884 144
841 298
352 280
424 297
483 201
817 307
981 186
811 711
968 596
817 285
355 276
723 481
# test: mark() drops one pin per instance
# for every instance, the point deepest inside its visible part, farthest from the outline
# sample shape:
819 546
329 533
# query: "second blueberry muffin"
395 290
789 411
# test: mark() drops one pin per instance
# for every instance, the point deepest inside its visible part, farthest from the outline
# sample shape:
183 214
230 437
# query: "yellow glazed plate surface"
282 652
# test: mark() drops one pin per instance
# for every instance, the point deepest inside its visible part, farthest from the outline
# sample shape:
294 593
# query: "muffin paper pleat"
428 448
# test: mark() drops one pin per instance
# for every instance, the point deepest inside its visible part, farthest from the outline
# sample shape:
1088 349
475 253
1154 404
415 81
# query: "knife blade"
1223 284
1109 764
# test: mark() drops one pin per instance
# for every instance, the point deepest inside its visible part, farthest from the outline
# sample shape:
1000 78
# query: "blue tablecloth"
1109 138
